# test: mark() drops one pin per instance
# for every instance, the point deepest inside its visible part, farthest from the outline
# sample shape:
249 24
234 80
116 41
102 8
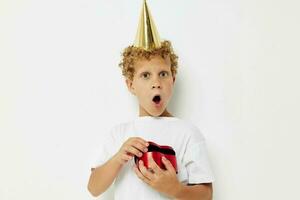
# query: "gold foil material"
147 36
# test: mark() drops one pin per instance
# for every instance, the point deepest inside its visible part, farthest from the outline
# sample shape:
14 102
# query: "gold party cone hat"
147 36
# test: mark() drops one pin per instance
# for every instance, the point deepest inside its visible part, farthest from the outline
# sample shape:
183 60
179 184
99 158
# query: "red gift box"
157 151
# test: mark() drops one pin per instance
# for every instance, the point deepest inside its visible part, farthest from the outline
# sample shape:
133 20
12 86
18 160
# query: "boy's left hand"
164 181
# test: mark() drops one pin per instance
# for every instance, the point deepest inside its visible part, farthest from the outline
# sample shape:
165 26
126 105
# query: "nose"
156 84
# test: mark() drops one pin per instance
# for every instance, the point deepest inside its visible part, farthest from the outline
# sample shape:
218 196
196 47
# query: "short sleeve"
104 150
196 160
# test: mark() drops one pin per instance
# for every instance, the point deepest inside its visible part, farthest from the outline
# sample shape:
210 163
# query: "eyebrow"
149 72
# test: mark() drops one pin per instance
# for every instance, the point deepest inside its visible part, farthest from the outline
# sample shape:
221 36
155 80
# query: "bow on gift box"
157 151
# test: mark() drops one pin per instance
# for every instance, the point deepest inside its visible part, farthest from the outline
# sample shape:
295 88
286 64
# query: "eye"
164 73
145 75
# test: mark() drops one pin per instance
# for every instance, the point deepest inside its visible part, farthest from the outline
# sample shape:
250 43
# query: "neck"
164 114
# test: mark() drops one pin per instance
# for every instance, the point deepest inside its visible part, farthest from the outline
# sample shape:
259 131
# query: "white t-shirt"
186 140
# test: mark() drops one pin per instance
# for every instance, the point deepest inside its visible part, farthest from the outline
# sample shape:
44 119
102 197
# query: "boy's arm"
103 176
195 192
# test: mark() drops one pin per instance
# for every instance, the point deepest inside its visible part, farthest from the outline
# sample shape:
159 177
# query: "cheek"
141 92
169 86
170 91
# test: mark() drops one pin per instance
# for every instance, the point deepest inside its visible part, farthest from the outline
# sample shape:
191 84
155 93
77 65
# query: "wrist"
116 161
178 191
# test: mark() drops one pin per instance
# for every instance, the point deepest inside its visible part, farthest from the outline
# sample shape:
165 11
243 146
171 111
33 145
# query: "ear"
174 78
130 86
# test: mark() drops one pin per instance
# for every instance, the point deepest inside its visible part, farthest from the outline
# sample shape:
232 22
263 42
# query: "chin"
157 114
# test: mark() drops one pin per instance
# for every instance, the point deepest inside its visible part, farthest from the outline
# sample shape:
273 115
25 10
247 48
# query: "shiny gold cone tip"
147 36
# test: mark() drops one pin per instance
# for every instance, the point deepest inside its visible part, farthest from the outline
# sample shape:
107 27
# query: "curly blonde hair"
131 54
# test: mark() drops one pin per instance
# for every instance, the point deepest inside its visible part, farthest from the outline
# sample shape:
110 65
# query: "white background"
61 89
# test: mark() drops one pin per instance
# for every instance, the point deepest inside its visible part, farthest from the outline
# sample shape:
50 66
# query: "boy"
150 67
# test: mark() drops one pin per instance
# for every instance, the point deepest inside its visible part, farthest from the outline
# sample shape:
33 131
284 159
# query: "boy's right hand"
134 146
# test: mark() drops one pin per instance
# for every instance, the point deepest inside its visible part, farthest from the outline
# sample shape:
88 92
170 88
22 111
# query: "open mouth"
156 99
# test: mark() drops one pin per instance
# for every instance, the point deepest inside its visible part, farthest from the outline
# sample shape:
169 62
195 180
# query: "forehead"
155 63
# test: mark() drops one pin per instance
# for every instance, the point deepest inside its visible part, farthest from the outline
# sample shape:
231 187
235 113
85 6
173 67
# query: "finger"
126 157
168 165
139 145
145 172
141 140
133 150
153 165
140 175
